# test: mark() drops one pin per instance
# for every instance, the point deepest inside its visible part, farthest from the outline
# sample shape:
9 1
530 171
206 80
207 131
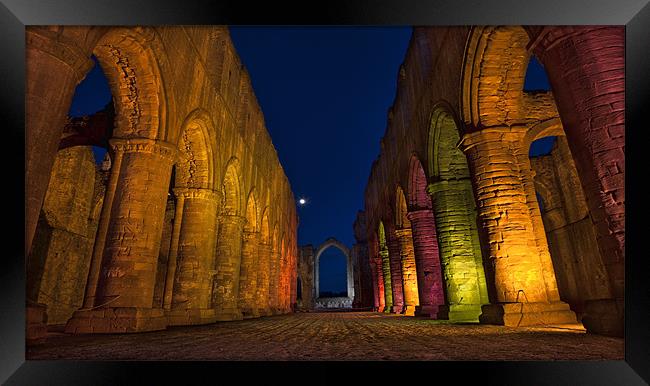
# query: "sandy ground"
337 336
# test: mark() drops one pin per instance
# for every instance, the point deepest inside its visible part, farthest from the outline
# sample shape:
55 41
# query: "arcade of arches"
191 219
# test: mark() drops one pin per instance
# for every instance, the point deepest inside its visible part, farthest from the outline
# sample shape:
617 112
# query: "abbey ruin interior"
190 220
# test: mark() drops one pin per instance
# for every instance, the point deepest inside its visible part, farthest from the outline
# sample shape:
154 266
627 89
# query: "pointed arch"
251 224
417 186
195 165
401 210
446 160
265 233
231 189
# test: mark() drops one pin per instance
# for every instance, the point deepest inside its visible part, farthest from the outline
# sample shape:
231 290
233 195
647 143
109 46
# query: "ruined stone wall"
306 274
182 100
578 265
64 239
468 81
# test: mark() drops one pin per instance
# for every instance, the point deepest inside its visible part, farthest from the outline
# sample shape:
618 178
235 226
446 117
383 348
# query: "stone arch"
417 186
265 234
547 128
195 165
401 209
231 189
251 224
495 63
332 242
130 62
446 161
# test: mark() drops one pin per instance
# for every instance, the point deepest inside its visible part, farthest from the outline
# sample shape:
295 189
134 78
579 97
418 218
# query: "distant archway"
333 302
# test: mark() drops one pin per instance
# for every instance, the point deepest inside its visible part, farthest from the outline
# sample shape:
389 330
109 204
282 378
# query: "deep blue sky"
325 93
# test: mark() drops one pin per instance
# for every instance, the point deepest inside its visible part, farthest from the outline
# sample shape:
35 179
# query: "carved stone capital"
165 150
232 219
200 193
497 135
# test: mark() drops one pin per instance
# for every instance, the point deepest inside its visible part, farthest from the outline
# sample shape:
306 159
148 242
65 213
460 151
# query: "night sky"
325 93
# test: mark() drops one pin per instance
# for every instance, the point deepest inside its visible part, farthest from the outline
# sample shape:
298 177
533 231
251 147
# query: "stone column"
191 299
263 280
375 285
395 273
427 262
274 282
386 279
459 250
585 67
409 272
173 252
228 260
524 293
248 275
124 295
55 64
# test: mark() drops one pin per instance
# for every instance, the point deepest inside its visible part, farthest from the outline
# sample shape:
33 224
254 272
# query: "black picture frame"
16 14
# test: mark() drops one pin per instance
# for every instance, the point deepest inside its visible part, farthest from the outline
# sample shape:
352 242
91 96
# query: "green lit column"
460 251
388 288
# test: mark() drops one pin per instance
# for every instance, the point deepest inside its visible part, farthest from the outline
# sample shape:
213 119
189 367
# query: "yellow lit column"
228 261
274 282
409 273
248 275
263 278
124 295
191 299
524 295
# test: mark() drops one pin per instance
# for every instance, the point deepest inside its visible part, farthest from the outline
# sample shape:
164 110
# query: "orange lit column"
524 295
586 69
263 279
409 273
395 273
124 295
226 283
248 275
191 292
427 261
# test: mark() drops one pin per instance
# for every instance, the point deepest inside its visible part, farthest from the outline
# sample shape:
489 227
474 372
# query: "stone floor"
337 336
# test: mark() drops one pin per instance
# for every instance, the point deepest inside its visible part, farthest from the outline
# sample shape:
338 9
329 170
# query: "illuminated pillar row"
228 263
409 272
193 269
284 284
522 293
274 281
248 274
126 280
375 285
386 277
427 261
460 253
395 273
263 276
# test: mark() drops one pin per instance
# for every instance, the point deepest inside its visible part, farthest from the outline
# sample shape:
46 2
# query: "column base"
527 314
250 313
229 314
397 309
459 312
116 320
429 311
604 317
378 309
409 310
276 311
264 312
36 320
191 316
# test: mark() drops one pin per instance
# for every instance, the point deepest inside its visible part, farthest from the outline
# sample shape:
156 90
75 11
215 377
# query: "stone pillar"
460 252
124 295
427 261
191 299
54 66
585 67
386 280
173 251
524 293
228 260
263 280
248 275
395 273
274 282
409 273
